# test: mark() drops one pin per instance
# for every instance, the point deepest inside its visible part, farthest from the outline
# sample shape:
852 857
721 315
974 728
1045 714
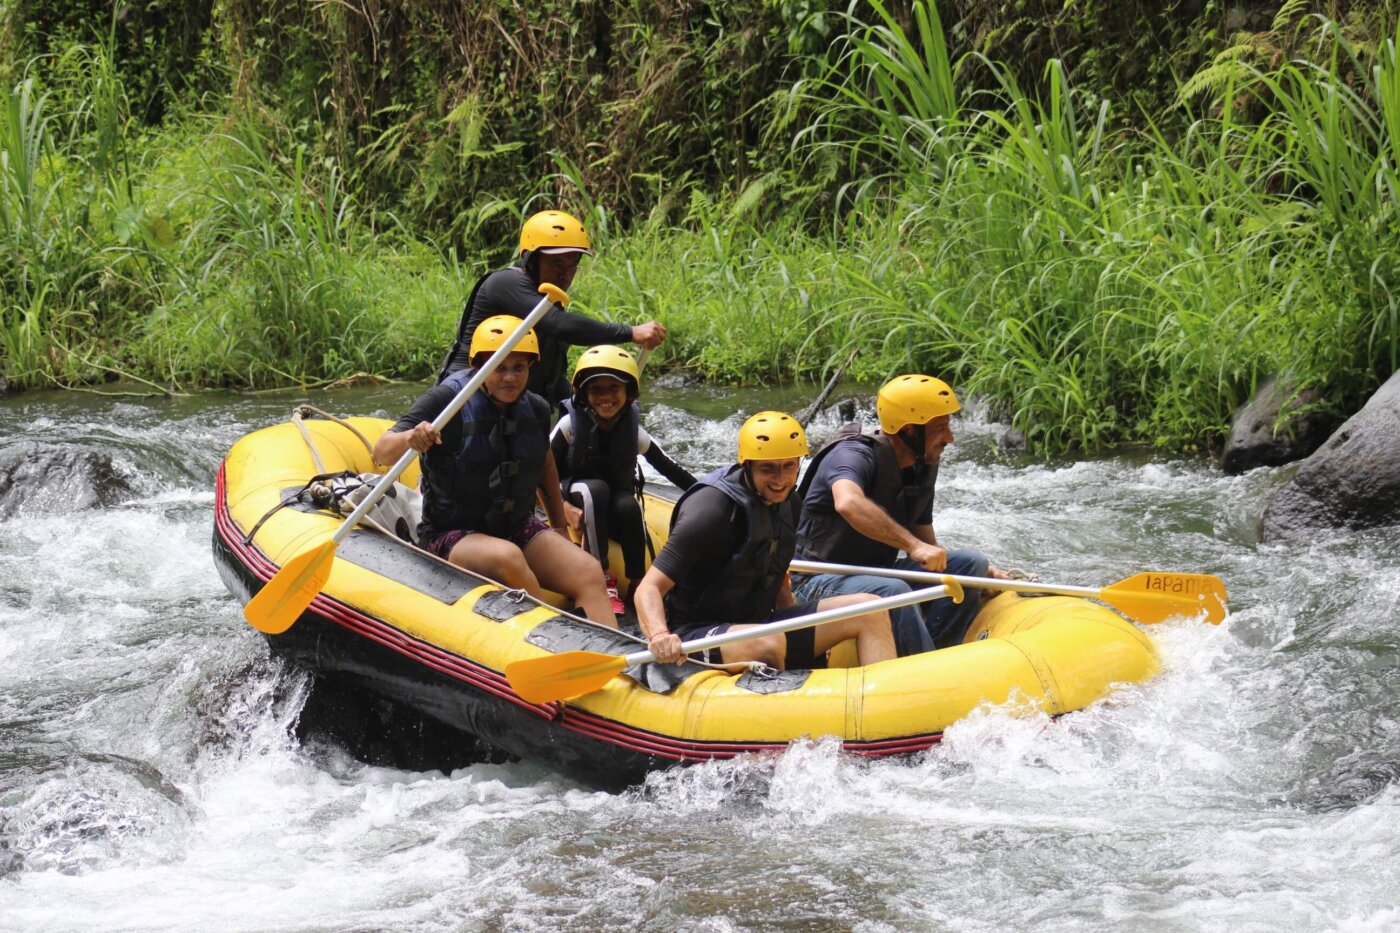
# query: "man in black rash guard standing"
551 244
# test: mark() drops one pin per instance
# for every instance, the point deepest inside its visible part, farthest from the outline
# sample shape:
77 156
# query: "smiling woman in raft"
596 445
480 474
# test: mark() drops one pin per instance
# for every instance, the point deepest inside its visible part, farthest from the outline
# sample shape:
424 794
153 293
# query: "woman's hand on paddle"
423 436
666 648
930 556
573 517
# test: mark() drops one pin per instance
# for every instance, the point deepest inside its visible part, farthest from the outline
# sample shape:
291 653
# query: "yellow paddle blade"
290 591
561 676
1156 597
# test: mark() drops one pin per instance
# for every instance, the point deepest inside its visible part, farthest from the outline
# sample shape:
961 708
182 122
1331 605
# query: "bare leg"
874 638
770 649
498 559
566 568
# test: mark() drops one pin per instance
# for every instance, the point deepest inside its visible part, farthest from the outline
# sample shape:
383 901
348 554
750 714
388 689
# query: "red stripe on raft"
494 683
681 750
672 747
376 630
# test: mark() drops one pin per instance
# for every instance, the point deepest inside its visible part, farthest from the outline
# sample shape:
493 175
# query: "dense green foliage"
251 195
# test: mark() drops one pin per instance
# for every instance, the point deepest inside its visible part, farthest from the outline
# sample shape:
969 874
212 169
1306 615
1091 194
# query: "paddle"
574 673
275 607
810 412
1146 597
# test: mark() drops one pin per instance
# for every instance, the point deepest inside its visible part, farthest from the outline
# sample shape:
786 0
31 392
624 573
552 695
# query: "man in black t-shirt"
724 566
551 244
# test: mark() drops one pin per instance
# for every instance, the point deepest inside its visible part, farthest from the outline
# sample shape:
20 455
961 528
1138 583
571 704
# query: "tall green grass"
1096 285
219 252
1128 287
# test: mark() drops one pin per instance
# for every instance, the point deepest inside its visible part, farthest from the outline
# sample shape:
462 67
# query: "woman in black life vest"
481 472
596 445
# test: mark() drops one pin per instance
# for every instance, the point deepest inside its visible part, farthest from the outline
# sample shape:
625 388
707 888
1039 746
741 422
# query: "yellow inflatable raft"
407 626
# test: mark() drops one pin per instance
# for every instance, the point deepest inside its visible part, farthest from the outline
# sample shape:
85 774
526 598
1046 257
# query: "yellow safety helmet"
554 232
913 399
491 333
608 360
771 435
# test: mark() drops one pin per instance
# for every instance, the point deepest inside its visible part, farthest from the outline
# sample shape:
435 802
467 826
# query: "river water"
151 778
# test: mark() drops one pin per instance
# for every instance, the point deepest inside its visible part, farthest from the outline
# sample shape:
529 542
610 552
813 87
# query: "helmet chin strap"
917 448
485 389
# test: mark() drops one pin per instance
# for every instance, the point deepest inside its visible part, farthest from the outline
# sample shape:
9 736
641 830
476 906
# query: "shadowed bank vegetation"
1117 259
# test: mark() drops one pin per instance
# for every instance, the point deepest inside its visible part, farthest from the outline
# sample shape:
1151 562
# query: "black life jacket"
547 375
597 454
825 536
747 589
487 484
457 358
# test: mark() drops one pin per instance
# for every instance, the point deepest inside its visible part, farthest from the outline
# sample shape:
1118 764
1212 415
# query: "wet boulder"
1352 481
45 480
1010 438
1279 425
378 731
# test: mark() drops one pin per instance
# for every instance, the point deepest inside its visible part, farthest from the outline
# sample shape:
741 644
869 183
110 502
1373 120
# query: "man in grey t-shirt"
867 497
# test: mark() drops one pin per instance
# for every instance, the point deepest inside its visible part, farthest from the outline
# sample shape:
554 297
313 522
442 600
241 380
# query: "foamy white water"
150 777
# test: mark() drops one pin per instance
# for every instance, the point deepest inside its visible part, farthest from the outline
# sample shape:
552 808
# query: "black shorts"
801 643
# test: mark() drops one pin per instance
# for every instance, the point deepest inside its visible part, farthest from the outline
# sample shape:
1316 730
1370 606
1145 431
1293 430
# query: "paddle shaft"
897 601
448 413
810 412
919 576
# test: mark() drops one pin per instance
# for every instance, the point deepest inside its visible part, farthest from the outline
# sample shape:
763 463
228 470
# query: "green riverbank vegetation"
293 197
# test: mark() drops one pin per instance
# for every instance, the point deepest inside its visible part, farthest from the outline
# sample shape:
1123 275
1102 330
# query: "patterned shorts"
443 543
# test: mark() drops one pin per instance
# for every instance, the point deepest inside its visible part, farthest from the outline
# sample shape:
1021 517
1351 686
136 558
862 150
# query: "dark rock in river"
60 480
1259 437
1350 781
379 731
1352 481
1009 438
